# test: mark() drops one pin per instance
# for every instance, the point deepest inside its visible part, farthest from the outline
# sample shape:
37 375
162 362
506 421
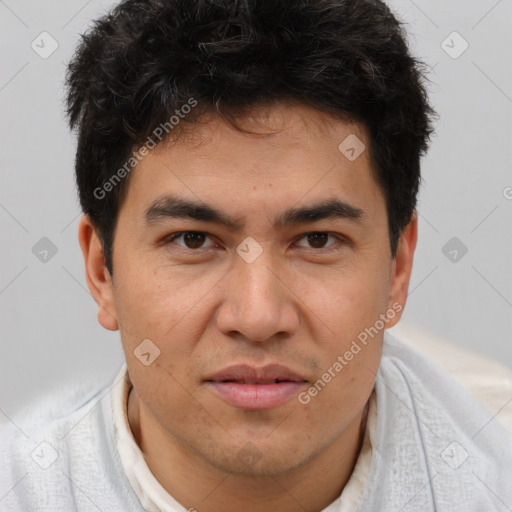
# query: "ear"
98 278
402 268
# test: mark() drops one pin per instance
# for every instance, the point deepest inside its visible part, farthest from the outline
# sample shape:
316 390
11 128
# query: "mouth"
251 388
263 382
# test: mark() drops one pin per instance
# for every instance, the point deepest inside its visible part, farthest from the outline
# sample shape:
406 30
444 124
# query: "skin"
298 304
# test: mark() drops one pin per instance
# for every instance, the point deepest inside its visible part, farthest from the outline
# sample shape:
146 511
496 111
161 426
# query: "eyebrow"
175 207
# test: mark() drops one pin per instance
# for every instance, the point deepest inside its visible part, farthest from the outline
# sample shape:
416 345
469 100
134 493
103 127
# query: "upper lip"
247 374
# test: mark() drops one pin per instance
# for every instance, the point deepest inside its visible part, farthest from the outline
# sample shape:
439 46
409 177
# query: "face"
275 295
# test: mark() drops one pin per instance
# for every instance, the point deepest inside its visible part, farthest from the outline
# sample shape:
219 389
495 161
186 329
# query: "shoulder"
487 380
58 451
429 385
434 440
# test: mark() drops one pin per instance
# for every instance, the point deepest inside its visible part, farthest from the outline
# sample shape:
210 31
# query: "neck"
191 481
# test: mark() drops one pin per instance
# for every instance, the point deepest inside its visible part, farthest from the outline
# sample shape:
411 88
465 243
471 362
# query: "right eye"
192 240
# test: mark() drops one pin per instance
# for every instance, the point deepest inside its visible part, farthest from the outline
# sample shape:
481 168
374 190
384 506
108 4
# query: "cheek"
345 302
155 318
152 302
165 393
350 307
335 406
346 382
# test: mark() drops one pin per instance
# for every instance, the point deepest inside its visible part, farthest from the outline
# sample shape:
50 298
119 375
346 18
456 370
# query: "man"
248 173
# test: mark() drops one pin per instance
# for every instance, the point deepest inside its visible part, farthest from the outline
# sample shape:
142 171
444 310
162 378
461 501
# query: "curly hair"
144 59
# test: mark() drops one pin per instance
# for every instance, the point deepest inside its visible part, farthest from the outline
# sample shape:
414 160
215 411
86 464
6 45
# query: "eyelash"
329 249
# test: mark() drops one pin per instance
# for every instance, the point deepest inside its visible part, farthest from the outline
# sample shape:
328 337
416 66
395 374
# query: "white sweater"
429 447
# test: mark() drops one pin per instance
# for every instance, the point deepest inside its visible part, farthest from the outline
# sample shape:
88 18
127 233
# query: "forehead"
278 156
277 128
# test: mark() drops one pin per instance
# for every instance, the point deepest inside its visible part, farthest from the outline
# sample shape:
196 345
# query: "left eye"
195 239
319 238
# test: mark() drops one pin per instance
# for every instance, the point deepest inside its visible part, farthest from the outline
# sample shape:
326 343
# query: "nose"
258 303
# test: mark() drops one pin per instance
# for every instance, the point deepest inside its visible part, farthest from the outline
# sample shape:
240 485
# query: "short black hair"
142 62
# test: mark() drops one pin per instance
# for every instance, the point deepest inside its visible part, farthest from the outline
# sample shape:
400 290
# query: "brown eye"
318 240
191 239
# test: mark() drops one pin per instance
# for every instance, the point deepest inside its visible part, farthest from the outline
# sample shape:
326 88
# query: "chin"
253 462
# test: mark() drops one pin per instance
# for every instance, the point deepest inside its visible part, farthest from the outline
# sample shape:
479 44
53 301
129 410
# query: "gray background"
49 329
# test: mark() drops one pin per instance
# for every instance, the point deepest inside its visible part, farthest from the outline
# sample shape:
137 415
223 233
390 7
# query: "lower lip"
257 396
